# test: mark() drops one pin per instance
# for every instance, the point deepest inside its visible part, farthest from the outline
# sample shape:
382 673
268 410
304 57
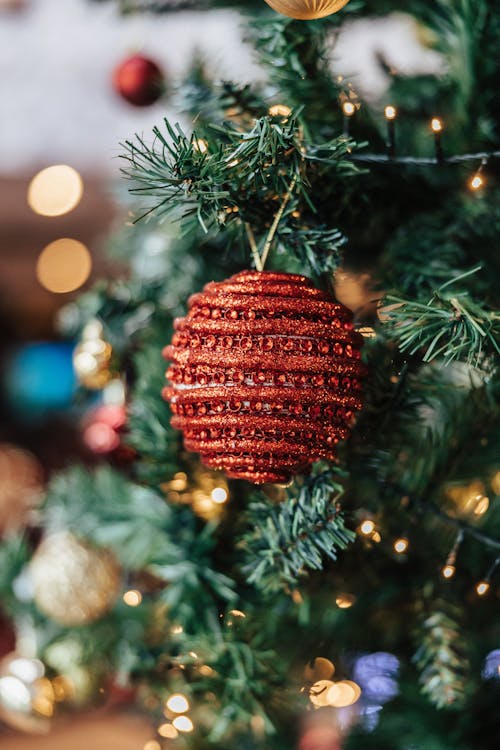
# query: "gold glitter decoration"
92 358
26 697
306 10
74 582
266 375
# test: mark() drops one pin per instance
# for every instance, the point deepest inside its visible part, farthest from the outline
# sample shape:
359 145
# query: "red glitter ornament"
265 375
139 81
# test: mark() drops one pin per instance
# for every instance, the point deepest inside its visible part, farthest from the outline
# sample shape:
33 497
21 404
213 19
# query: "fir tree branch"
441 659
448 326
287 539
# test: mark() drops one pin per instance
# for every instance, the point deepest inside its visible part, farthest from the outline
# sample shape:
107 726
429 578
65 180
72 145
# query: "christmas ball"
74 583
139 81
92 358
265 375
306 10
21 479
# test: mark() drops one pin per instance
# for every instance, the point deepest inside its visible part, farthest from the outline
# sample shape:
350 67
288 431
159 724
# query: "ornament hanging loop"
260 259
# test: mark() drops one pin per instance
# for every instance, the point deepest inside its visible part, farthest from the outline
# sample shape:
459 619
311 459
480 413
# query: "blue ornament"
39 379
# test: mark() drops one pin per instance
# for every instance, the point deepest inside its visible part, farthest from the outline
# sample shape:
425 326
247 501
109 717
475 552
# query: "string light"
401 545
437 129
183 724
448 570
342 694
348 109
477 181
376 537
280 110
344 601
390 115
178 703
133 598
367 527
482 588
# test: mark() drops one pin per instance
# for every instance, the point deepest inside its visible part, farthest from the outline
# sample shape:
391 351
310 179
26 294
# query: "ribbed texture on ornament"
265 375
306 10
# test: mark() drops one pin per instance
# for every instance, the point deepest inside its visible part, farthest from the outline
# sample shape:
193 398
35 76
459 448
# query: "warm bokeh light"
168 731
436 125
133 598
178 703
183 724
219 495
201 146
448 571
319 691
401 545
342 694
100 437
482 588
152 745
367 527
476 182
495 483
344 601
483 503
63 266
348 108
280 110
55 190
390 112
376 537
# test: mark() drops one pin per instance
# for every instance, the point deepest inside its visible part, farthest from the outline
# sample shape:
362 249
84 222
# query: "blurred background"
68 97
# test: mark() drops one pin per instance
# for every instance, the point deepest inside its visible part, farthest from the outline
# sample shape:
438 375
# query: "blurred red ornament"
265 375
139 81
101 433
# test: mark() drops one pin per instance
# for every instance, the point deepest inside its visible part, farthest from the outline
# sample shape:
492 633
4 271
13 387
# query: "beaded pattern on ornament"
265 375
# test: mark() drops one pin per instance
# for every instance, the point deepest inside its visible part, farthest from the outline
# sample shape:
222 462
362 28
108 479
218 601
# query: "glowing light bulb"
376 537
183 724
367 527
482 588
178 703
55 190
219 495
401 545
280 110
436 125
390 112
344 601
152 745
133 598
63 266
476 182
448 571
348 108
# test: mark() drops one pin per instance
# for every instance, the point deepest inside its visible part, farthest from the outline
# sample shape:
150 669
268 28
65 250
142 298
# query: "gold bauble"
307 10
74 582
92 357
26 696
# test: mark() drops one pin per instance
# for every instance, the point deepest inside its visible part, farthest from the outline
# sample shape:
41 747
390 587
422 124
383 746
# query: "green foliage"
450 326
441 659
285 540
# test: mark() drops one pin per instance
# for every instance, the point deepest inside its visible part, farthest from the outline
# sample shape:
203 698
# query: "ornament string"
274 226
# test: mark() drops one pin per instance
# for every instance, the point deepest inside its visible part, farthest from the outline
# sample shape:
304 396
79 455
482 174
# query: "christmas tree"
324 576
